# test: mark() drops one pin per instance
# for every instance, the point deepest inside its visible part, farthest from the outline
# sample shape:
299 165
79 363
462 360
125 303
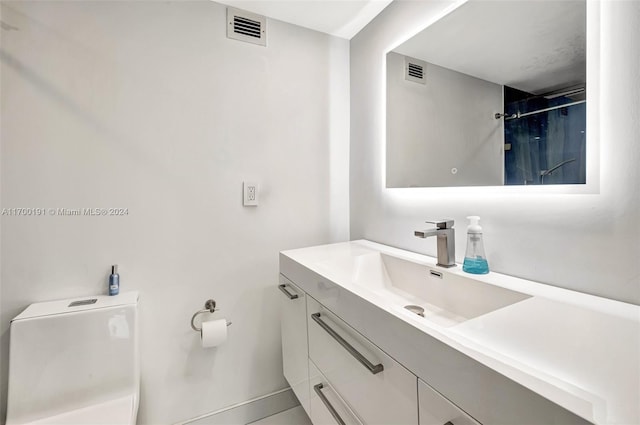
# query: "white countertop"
580 351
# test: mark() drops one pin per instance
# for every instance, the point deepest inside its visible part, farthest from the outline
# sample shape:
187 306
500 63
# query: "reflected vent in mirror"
245 26
414 70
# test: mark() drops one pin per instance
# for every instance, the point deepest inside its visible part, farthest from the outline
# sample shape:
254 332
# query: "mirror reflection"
494 93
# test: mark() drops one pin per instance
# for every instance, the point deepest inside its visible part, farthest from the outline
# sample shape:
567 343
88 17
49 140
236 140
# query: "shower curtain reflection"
546 147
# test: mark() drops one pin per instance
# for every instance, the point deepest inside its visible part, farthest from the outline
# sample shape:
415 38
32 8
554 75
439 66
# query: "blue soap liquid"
476 265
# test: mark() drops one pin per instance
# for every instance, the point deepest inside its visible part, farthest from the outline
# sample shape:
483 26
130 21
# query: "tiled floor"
295 416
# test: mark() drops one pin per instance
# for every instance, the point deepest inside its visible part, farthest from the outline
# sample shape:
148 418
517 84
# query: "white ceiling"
341 18
535 46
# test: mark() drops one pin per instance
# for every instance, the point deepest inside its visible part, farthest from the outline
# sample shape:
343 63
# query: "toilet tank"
73 354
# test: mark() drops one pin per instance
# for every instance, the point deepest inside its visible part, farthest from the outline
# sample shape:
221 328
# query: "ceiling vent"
245 26
414 70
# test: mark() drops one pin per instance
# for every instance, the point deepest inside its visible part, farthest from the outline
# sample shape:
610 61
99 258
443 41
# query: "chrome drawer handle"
291 296
355 353
318 389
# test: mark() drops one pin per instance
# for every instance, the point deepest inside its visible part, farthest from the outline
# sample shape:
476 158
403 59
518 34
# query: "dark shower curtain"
542 141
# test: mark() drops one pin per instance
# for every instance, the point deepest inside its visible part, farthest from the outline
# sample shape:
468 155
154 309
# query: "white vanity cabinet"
376 387
340 377
436 410
293 326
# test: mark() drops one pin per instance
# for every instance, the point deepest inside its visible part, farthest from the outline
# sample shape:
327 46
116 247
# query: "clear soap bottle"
475 260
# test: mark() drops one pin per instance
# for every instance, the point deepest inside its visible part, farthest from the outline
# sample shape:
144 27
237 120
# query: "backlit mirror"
493 93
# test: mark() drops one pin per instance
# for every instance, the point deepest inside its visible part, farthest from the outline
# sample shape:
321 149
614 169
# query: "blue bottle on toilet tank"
114 281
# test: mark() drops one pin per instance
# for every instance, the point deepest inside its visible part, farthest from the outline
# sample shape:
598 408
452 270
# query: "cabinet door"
378 389
437 410
293 327
326 406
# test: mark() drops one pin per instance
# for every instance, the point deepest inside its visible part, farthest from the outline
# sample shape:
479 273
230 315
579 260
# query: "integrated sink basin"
447 298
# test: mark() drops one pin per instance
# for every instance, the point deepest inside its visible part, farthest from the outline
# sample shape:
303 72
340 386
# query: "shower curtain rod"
508 117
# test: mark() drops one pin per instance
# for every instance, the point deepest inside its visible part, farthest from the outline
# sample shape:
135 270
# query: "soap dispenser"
475 261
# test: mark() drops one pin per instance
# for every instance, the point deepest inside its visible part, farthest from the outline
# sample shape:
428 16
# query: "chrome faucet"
445 234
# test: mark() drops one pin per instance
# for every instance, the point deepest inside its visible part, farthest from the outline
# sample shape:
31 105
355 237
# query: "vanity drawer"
436 410
376 387
326 406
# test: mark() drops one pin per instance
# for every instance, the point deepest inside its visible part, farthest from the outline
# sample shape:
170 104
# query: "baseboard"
248 411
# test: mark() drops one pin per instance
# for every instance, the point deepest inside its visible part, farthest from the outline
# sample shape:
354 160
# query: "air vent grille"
414 70
245 26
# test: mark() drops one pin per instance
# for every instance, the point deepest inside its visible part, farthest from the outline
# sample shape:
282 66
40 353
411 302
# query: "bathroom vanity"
489 349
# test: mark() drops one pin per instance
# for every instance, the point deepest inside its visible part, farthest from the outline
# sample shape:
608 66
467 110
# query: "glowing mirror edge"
592 186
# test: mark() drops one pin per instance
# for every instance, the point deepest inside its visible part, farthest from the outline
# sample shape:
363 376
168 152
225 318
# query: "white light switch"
250 194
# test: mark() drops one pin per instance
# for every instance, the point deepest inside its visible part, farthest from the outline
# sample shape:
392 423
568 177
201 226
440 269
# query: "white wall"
148 106
584 241
443 132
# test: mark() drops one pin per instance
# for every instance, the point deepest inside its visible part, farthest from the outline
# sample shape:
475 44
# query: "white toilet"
75 362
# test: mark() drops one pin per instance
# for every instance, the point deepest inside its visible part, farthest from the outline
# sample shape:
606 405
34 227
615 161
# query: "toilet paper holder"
209 307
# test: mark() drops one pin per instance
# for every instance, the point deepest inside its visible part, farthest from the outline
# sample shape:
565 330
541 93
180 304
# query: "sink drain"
415 309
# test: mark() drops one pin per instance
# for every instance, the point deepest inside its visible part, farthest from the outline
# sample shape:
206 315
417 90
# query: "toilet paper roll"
213 333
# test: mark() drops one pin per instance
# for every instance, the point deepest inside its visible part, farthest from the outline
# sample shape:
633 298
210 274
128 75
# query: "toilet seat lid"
118 411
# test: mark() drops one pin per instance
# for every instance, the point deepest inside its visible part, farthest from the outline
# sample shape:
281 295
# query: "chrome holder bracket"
209 307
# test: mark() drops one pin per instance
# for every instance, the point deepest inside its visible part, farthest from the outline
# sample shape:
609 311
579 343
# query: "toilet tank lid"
72 305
